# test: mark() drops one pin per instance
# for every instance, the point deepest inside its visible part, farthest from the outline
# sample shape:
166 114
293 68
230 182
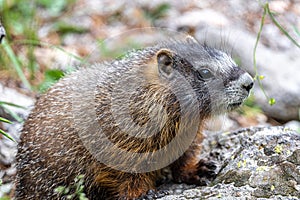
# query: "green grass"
4 198
51 76
5 106
21 22
16 64
250 108
77 187
268 12
3 132
64 28
157 12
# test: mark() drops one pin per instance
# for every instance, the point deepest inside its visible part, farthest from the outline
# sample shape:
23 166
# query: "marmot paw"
206 171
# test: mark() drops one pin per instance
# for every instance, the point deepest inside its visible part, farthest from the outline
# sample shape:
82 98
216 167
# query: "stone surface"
197 17
279 68
295 125
252 163
8 148
14 97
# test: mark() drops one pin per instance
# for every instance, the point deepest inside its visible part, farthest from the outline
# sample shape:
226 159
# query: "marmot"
121 123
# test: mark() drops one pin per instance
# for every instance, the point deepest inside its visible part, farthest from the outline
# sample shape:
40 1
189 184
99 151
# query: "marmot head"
219 84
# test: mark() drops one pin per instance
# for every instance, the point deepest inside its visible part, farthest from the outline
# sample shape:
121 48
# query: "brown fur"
52 151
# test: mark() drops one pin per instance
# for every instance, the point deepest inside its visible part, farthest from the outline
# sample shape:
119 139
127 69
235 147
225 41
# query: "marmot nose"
246 82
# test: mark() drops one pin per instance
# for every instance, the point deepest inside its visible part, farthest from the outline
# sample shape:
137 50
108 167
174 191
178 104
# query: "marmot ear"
191 40
165 62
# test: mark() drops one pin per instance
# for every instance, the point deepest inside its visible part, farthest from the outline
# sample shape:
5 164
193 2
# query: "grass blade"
257 77
7 135
5 120
11 104
280 27
12 56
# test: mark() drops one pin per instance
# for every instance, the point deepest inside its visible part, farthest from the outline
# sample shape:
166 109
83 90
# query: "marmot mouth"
232 106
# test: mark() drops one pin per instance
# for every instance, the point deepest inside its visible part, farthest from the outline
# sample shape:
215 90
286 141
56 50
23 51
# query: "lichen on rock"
261 162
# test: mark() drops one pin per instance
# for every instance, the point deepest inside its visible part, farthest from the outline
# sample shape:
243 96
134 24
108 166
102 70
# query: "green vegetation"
250 108
4 106
3 132
18 18
22 23
158 12
268 12
3 198
63 28
77 189
15 63
54 8
51 76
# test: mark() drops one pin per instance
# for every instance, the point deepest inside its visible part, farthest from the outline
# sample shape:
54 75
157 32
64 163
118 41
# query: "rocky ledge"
253 163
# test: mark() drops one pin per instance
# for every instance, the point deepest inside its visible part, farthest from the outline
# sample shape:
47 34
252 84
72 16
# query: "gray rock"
12 96
295 125
195 18
267 160
8 148
253 163
279 68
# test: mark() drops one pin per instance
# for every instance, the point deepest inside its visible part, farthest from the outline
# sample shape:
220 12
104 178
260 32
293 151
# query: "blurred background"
47 39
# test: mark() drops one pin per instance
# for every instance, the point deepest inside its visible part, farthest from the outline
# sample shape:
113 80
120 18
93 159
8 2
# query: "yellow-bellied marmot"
120 123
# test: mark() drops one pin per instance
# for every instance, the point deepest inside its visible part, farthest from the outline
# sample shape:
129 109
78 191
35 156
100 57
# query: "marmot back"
120 123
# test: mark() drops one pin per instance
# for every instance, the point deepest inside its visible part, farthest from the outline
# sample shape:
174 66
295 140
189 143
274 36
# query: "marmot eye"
205 73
